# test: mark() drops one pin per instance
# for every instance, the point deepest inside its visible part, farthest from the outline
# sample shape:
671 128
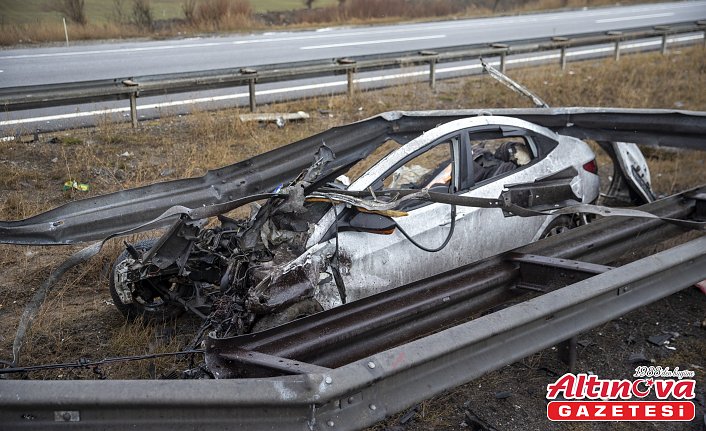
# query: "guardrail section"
42 96
368 388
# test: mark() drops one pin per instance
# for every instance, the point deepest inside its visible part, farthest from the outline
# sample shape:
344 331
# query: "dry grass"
78 319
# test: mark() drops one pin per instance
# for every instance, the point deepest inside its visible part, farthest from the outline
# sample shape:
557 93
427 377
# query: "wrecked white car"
318 243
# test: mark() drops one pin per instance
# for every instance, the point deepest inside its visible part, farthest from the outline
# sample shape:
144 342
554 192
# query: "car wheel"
141 299
295 311
559 225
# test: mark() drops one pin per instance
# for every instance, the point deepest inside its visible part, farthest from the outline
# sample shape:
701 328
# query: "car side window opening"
433 169
494 154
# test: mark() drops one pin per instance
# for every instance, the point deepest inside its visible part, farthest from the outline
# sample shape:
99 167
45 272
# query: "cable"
85 363
446 241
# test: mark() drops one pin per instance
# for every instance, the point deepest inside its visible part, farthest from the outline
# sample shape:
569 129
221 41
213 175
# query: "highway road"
87 61
124 59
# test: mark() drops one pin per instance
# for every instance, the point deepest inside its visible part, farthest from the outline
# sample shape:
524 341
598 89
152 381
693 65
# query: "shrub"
74 10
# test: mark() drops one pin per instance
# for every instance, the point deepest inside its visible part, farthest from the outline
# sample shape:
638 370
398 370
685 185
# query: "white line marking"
634 18
374 42
342 83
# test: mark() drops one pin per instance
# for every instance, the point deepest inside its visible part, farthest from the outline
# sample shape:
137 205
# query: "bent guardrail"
377 384
42 96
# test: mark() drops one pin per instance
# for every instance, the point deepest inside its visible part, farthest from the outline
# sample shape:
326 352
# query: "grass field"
31 21
101 11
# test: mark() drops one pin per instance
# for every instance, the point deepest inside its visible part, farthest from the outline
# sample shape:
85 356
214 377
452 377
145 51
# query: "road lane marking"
374 42
343 83
634 18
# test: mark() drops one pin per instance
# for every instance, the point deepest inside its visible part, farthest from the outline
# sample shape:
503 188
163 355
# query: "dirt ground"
514 397
78 319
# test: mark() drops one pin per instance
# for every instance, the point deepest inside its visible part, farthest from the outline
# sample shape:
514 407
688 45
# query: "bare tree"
189 9
74 10
142 14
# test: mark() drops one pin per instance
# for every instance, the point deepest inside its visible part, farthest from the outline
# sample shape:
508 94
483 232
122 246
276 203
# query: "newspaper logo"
584 397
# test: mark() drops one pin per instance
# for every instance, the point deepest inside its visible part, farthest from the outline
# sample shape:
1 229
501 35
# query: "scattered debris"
409 414
639 359
584 343
503 395
475 423
280 119
660 339
75 185
663 339
701 285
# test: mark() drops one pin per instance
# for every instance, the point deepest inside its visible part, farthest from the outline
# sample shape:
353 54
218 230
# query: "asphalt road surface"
87 61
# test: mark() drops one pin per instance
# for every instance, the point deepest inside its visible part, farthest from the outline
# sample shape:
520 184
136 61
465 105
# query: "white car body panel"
635 169
372 263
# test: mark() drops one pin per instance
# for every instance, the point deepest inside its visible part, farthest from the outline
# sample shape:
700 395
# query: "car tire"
559 225
140 307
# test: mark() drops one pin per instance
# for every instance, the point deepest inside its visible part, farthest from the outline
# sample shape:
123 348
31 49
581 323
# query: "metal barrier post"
562 57
702 24
350 70
133 109
664 29
349 76
616 35
432 67
505 47
251 86
251 89
133 100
